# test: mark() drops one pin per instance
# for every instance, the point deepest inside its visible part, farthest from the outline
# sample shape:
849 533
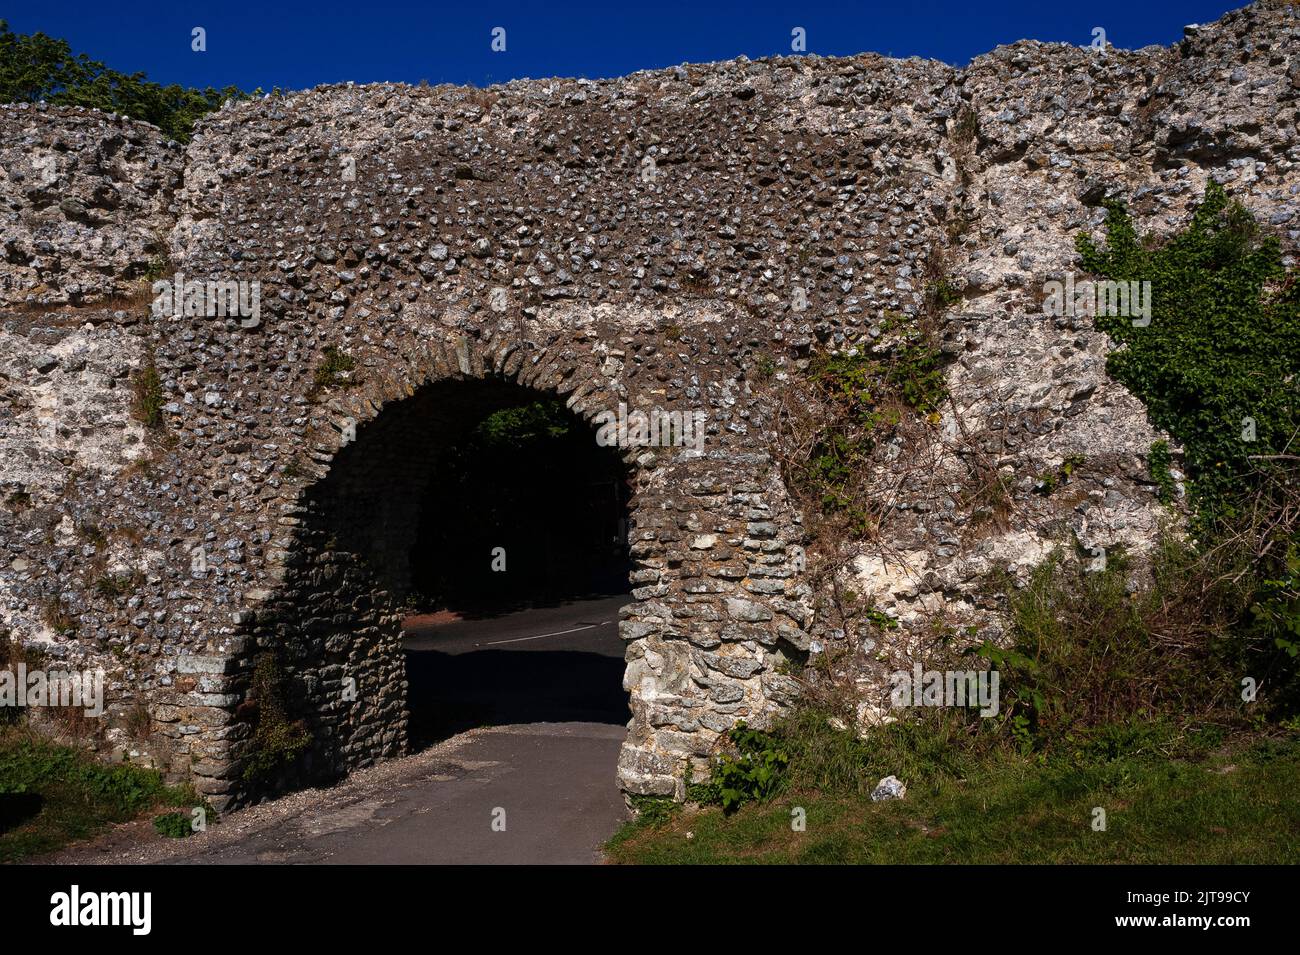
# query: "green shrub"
751 771
174 825
1086 652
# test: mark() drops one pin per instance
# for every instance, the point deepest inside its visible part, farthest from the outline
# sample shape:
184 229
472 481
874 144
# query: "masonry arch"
713 550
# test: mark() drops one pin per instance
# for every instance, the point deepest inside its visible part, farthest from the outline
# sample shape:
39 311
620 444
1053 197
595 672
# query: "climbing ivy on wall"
1218 367
1217 364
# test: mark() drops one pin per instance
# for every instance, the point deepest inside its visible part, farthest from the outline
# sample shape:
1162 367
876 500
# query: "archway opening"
461 564
522 509
405 527
518 570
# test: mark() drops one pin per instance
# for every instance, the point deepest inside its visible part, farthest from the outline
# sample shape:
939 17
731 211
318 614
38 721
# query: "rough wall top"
733 181
783 152
84 203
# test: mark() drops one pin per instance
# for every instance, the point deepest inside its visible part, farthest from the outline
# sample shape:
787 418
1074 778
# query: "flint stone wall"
635 241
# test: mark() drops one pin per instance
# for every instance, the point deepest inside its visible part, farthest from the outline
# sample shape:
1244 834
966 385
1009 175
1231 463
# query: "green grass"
1237 805
53 795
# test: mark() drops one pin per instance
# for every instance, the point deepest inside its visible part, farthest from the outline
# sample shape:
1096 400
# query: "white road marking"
557 633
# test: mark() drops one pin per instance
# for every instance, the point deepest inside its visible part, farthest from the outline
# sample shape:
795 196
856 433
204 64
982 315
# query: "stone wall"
680 238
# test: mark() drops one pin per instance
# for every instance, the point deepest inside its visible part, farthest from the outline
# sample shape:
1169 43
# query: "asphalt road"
533 780
548 665
541 793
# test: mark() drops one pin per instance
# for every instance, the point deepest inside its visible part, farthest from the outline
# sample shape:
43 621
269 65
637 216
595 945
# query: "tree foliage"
36 67
517 427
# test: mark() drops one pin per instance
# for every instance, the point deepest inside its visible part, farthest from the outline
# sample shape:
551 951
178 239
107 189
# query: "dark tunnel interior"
519 552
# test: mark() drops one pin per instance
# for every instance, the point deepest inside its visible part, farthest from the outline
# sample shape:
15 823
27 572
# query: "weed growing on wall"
857 400
277 740
147 396
334 370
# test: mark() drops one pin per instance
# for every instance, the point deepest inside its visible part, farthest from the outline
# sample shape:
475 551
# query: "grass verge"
53 795
1232 805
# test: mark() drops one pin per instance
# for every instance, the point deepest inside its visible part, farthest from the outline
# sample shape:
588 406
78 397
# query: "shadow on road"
451 693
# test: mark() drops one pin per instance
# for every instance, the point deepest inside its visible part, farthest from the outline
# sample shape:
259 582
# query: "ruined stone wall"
682 238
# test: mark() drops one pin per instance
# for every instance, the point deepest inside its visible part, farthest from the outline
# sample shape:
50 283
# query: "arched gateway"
714 546
208 500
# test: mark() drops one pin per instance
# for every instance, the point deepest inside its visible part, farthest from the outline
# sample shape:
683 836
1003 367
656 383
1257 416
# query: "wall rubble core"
518 235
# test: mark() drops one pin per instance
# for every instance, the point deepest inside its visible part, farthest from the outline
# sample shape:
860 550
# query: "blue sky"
297 45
